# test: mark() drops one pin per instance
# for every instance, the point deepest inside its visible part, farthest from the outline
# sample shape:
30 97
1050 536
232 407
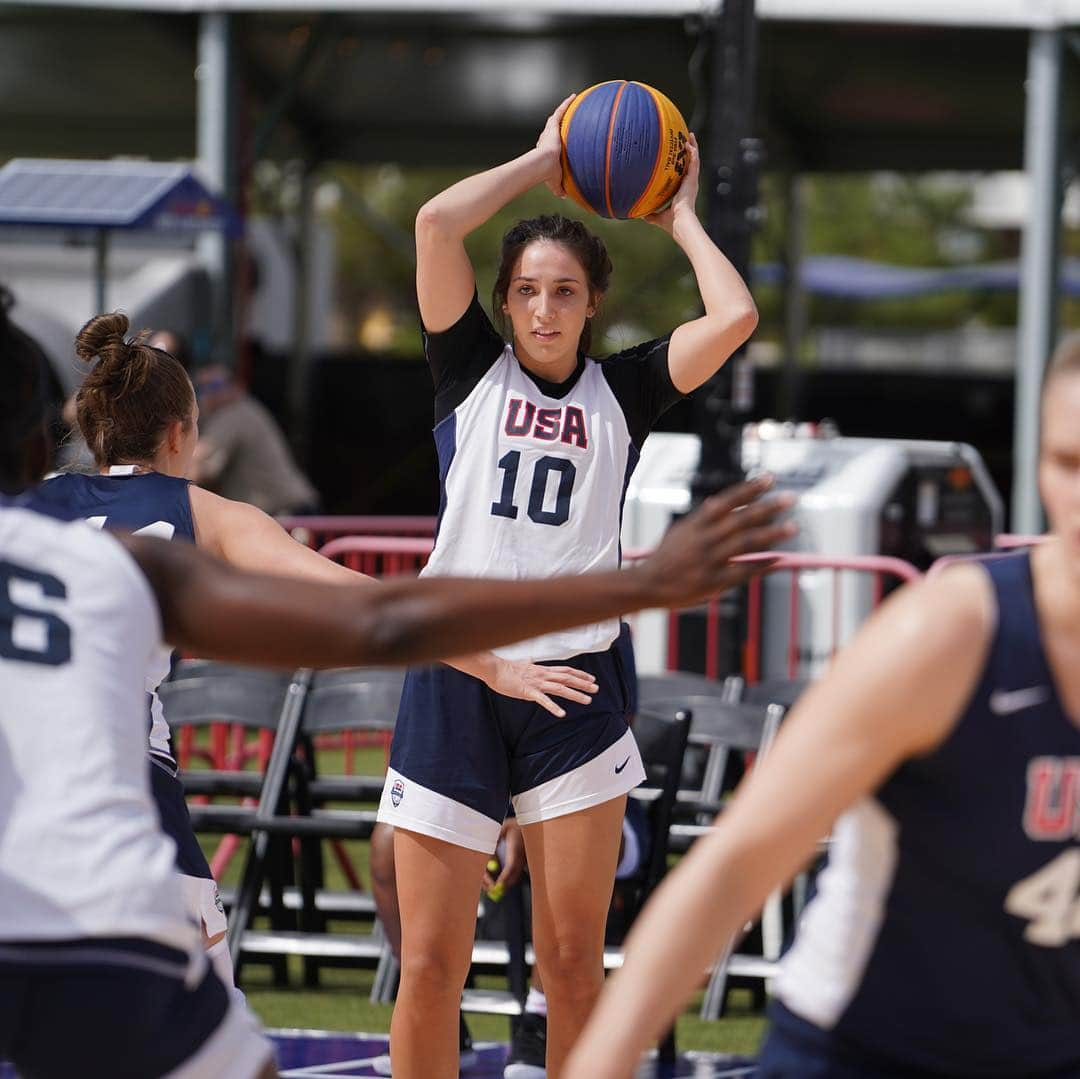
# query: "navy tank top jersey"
945 934
146 503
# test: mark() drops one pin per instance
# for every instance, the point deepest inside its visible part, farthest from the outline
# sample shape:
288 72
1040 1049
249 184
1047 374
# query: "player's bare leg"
438 888
384 884
572 862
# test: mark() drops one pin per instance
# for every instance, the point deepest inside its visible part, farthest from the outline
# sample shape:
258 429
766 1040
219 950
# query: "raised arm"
893 693
444 274
223 613
700 348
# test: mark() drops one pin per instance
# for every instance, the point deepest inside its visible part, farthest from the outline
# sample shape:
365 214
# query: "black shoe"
528 1048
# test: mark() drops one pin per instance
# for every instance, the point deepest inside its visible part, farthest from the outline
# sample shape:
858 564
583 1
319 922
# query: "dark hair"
588 249
24 404
130 395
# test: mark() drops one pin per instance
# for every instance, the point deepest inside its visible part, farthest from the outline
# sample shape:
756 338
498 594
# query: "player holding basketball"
138 413
945 935
101 969
536 444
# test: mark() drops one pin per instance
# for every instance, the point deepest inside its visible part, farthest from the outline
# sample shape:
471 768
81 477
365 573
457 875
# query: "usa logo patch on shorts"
397 792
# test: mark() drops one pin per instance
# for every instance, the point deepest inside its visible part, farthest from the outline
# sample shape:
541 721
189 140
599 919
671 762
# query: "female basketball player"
137 411
944 936
536 444
101 972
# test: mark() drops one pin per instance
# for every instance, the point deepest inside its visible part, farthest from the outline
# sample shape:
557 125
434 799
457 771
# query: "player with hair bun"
536 443
138 414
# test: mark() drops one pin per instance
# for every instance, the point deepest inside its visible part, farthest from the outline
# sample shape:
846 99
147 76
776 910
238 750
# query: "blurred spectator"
242 453
72 452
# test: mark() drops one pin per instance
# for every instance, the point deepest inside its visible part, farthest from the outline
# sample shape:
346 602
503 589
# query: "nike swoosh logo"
620 767
1004 702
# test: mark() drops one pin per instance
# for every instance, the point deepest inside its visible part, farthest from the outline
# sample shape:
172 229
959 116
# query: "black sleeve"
641 381
460 355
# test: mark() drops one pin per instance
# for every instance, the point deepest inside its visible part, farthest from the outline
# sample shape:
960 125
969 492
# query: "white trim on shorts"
615 771
435 815
237 1049
203 902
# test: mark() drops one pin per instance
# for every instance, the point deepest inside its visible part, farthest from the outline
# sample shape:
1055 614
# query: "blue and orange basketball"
624 149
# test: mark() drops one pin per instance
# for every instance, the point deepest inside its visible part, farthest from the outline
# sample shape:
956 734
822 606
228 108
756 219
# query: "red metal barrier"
316 532
384 556
380 556
880 567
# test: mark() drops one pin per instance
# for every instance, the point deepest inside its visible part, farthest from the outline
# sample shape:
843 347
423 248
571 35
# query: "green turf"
342 1001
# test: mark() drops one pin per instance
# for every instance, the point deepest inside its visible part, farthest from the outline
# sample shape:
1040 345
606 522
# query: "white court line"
313 1071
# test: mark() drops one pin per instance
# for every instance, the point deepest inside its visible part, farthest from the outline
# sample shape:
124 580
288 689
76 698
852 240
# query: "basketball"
624 149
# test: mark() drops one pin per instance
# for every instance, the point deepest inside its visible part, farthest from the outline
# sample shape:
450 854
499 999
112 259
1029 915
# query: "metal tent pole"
101 269
214 114
1038 268
299 377
732 156
795 301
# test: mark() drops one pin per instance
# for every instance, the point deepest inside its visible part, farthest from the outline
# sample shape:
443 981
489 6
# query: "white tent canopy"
966 84
1018 14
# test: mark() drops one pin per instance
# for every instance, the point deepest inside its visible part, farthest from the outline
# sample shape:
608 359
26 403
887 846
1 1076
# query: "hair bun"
103 337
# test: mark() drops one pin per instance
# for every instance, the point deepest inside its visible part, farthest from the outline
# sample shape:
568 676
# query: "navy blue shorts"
168 794
461 753
200 891
126 1008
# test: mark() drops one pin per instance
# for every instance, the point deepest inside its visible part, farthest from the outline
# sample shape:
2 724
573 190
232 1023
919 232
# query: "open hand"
535 682
511 854
695 560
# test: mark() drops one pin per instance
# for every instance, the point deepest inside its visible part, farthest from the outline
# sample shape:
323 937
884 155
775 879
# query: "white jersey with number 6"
81 852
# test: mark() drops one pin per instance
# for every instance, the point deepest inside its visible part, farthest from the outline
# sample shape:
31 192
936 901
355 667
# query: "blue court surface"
314 1054
310 1054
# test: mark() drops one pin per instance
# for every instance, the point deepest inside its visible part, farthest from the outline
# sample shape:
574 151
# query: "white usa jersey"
81 850
533 474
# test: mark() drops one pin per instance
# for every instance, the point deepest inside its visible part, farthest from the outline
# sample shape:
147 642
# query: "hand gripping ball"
624 149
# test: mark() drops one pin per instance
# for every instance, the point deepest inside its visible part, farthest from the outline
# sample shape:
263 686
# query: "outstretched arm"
700 348
222 613
893 693
248 539
444 274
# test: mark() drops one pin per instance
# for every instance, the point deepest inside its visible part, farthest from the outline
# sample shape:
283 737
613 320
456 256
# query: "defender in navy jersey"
944 938
537 441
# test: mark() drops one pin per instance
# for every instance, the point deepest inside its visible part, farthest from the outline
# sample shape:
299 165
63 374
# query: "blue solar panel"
107 194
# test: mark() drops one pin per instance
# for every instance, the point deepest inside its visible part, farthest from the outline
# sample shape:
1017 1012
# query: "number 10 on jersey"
539 509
